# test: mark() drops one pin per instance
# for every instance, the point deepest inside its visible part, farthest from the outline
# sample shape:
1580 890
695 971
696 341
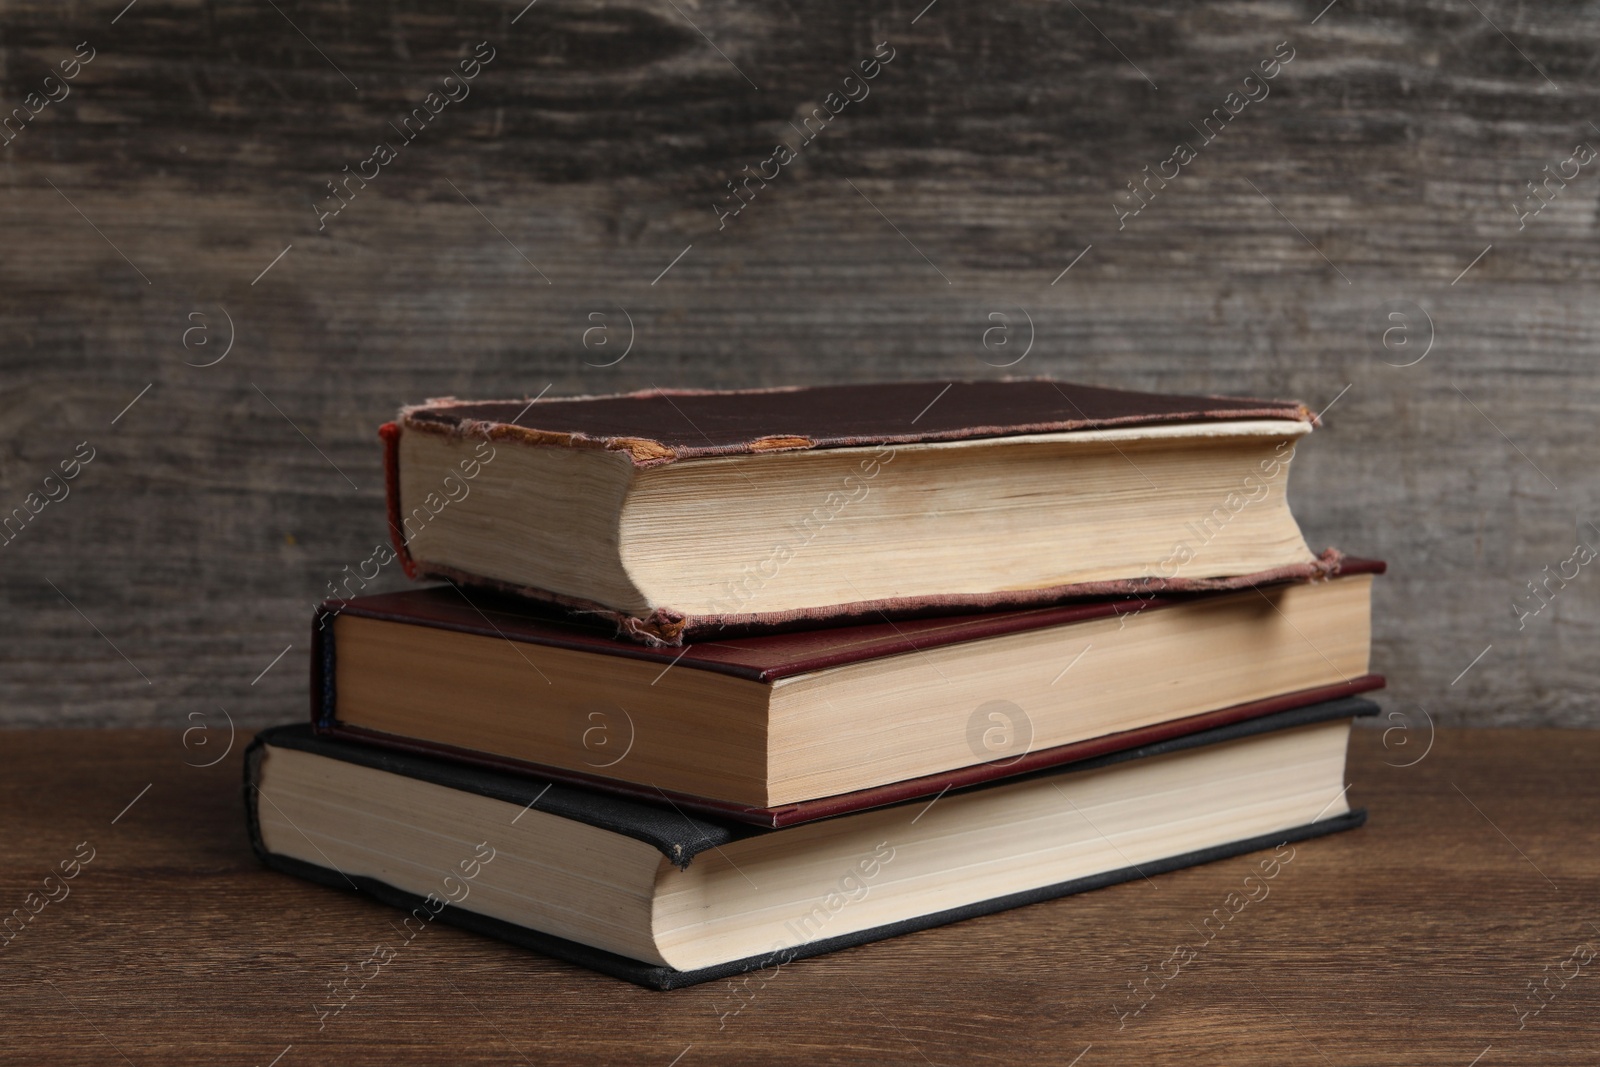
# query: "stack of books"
720 680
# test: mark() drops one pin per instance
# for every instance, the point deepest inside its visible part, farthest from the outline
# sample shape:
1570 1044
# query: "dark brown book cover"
661 426
664 426
764 658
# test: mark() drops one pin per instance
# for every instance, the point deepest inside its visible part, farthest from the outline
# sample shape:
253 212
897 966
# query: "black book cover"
680 837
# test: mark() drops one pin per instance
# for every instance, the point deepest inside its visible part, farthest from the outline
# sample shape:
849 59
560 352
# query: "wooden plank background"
169 200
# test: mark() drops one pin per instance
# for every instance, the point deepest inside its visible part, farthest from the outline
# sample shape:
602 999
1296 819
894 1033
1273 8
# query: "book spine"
389 432
322 666
252 778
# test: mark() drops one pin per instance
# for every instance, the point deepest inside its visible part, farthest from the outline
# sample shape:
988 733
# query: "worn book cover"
615 447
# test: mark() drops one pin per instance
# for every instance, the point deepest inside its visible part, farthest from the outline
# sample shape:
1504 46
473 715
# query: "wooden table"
1411 941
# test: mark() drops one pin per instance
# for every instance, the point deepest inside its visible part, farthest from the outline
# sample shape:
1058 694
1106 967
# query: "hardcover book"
781 728
680 515
650 893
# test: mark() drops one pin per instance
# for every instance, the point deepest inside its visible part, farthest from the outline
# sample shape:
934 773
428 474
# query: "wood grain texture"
193 148
1411 940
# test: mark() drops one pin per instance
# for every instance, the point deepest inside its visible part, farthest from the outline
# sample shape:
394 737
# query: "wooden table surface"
1411 941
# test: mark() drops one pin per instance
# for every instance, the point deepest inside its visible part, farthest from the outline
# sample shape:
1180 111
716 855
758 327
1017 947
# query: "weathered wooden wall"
589 154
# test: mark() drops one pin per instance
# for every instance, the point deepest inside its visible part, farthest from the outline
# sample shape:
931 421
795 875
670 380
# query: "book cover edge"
979 623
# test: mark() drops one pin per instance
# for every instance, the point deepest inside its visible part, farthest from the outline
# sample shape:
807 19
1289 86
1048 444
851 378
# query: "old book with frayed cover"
683 515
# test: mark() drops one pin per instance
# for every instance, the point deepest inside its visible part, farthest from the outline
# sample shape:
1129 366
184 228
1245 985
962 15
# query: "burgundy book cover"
766 658
664 426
